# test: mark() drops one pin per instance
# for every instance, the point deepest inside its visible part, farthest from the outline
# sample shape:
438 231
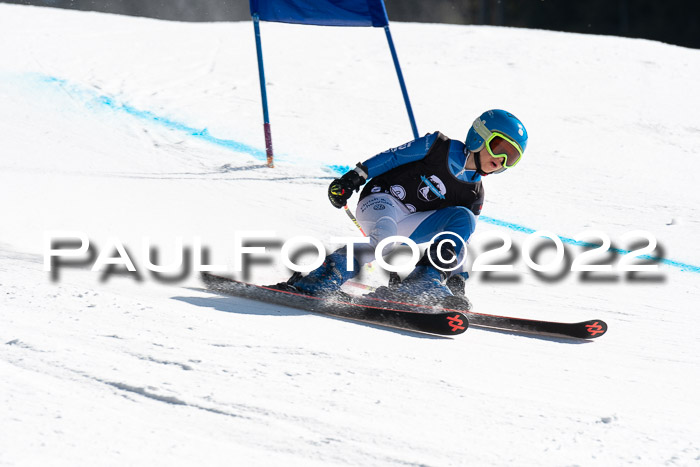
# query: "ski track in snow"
118 370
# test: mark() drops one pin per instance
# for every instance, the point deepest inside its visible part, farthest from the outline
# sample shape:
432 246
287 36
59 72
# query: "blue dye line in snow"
92 97
340 169
571 241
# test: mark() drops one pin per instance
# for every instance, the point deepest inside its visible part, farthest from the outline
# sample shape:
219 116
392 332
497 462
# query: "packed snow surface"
140 132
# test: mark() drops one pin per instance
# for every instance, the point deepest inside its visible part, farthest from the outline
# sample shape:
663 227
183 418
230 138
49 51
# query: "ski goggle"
499 146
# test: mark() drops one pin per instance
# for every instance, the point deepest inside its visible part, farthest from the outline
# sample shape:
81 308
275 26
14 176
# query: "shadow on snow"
244 306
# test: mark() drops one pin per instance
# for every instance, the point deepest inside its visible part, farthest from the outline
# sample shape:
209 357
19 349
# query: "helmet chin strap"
477 162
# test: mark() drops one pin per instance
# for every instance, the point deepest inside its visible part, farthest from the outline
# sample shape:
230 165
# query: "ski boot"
428 285
324 281
457 285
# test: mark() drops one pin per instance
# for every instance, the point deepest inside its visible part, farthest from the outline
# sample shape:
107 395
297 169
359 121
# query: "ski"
446 323
590 329
582 330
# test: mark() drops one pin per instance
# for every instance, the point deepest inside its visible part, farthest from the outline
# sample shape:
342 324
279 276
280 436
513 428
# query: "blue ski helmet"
496 120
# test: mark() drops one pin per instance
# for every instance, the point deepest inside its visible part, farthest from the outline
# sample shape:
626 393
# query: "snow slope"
131 128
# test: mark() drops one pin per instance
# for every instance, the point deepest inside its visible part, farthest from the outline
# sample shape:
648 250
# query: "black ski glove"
340 189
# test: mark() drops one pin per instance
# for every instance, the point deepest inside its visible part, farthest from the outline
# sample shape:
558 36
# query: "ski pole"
394 278
353 219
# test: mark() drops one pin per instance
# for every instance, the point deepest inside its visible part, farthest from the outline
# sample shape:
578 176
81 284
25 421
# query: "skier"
429 186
